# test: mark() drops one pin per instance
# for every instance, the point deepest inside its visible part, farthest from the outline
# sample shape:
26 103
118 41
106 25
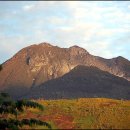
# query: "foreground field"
89 113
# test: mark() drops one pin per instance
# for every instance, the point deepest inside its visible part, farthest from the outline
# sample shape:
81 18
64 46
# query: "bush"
9 106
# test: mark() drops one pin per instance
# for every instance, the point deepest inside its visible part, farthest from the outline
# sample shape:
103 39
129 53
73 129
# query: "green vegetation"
9 106
87 113
84 113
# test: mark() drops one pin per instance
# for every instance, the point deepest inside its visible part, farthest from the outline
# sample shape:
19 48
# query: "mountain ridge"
36 64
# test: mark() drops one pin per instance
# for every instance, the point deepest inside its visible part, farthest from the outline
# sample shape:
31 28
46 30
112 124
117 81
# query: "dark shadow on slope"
16 91
83 82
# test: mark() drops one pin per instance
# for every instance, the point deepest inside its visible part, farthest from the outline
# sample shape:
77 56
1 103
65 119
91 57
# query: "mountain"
37 64
81 82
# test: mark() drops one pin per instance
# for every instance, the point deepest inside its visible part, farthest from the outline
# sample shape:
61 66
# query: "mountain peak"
76 47
38 63
78 50
46 44
120 57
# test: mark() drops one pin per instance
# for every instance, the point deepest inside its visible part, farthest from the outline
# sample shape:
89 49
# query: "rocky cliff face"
36 64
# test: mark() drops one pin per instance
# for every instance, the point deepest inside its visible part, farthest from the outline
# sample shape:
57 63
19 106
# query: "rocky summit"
35 65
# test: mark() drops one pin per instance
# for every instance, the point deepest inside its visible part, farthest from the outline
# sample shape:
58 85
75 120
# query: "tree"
9 106
0 67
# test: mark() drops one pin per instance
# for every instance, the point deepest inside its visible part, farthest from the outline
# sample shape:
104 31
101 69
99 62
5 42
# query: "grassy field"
85 113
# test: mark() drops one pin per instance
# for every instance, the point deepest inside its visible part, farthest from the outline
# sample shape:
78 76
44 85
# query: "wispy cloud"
129 6
102 28
28 7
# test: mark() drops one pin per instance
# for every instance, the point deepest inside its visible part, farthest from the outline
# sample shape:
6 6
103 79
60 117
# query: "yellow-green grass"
84 113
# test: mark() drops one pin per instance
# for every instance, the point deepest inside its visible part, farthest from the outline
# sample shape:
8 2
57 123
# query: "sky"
101 27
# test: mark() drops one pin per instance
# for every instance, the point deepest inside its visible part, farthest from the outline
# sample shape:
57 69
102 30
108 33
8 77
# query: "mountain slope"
37 64
83 81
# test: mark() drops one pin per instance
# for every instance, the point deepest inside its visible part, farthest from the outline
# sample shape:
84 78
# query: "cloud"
28 7
96 26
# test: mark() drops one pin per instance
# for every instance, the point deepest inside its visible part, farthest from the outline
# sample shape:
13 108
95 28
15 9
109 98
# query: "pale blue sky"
102 28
